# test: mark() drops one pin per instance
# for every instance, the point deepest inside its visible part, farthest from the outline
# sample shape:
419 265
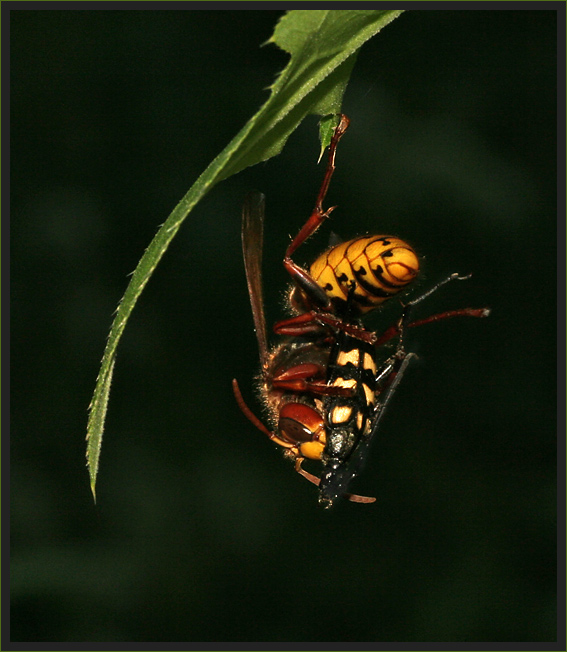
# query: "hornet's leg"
299 276
403 323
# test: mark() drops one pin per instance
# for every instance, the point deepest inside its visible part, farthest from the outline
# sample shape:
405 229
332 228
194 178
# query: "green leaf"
323 46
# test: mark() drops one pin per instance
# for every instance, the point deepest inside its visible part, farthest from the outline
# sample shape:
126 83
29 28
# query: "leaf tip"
327 126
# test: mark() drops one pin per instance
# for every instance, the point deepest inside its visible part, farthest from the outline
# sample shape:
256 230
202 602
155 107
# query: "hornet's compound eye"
300 423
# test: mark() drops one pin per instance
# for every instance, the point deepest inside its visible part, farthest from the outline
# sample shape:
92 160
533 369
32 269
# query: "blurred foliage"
202 532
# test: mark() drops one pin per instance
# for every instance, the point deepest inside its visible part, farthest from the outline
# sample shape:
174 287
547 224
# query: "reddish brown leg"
354 498
300 277
310 378
311 322
395 330
303 324
399 328
318 216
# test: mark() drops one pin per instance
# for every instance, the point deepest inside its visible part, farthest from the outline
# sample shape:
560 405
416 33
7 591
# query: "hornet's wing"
252 243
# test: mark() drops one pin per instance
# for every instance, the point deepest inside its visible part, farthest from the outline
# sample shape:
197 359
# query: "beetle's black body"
352 364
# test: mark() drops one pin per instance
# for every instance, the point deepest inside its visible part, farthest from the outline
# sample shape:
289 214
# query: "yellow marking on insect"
349 356
403 266
341 413
373 265
312 449
343 272
369 363
357 246
336 254
400 266
359 420
323 274
370 395
341 382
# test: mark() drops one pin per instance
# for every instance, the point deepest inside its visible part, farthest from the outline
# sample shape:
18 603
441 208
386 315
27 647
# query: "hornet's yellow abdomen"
378 267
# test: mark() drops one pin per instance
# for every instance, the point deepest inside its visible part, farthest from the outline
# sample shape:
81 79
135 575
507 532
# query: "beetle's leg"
312 321
254 419
299 276
388 372
354 498
307 323
308 377
404 320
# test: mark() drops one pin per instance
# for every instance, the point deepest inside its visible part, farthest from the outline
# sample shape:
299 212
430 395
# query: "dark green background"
202 531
